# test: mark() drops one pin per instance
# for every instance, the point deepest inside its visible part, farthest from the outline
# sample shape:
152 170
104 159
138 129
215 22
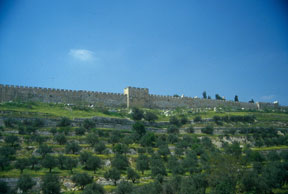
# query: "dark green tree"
132 175
157 166
148 140
93 163
93 188
12 140
88 124
236 98
61 161
137 114
112 174
61 139
70 163
174 121
84 156
92 139
39 139
120 162
100 147
80 131
25 183
173 129
218 97
73 147
139 129
49 162
183 120
190 129
197 119
4 162
120 148
195 184
64 122
164 151
44 149
50 184
150 117
82 179
208 130
124 187
3 187
21 164
204 94
142 163
115 137
53 130
190 163
175 166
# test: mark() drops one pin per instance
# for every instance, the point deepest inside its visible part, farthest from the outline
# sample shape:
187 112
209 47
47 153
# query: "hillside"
118 150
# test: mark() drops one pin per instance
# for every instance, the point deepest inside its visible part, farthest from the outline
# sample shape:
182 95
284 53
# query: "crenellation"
132 97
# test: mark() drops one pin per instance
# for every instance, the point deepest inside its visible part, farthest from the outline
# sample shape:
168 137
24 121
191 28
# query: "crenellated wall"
132 97
80 97
174 102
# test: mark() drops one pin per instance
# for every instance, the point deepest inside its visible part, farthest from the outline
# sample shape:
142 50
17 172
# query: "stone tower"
137 97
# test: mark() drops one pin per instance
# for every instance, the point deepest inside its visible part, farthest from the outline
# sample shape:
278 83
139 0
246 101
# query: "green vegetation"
164 151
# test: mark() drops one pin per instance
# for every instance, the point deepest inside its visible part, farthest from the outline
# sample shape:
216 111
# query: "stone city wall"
174 102
132 97
48 95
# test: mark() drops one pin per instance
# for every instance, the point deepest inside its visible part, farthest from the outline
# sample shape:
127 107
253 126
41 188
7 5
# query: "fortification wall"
132 97
137 97
80 97
158 101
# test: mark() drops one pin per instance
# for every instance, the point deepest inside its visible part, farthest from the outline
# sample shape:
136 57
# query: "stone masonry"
132 97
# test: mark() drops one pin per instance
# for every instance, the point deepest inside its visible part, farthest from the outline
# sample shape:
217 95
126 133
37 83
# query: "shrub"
120 162
132 175
198 119
64 122
137 114
61 139
93 188
174 121
25 183
173 129
82 179
73 147
80 131
208 130
183 120
150 117
49 162
124 187
112 174
100 147
3 187
50 184
88 124
190 129
139 128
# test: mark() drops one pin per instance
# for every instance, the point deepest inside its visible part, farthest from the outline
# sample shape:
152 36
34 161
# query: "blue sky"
171 47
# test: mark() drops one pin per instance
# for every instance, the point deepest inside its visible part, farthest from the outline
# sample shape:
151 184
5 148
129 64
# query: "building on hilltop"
132 97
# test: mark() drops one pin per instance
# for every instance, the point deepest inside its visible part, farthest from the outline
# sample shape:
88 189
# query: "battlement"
132 97
56 95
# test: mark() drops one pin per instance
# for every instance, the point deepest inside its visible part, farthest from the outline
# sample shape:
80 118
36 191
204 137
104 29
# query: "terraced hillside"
57 148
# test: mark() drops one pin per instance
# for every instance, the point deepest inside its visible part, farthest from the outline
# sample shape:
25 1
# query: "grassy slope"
53 111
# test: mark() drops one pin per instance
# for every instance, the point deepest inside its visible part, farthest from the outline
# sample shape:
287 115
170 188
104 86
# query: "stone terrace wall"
157 101
36 94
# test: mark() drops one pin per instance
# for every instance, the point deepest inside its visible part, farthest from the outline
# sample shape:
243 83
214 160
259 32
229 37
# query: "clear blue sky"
169 46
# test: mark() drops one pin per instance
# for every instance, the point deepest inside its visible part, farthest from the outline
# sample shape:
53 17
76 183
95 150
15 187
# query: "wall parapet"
132 97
